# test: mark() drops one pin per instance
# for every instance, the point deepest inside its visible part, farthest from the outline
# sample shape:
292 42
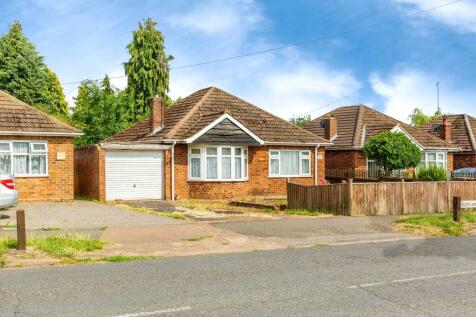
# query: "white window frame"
31 152
203 163
426 162
273 156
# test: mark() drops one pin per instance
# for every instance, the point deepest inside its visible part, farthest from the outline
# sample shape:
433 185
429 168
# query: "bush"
432 173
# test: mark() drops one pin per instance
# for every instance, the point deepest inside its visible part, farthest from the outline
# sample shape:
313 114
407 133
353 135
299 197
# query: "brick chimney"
445 129
156 114
330 129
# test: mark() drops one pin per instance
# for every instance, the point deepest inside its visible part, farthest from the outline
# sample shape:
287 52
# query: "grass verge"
8 226
65 246
436 225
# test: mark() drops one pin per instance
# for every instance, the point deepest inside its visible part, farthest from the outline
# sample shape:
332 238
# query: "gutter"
172 174
33 133
315 165
118 146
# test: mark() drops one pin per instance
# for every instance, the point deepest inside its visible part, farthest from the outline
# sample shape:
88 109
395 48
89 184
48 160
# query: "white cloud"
219 17
410 88
460 15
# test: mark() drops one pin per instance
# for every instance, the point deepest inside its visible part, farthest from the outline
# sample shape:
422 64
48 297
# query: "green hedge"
432 173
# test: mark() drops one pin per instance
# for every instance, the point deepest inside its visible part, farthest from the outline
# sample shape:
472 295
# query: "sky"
386 54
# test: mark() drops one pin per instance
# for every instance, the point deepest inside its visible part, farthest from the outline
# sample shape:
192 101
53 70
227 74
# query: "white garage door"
132 175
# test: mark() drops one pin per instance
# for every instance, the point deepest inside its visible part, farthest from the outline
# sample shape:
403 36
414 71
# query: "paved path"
80 214
433 277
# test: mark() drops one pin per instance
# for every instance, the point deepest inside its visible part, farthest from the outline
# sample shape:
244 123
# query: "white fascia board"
220 119
137 147
41 133
398 128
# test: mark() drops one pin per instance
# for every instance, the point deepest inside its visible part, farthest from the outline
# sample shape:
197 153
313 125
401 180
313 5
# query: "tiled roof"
193 113
359 123
463 130
17 116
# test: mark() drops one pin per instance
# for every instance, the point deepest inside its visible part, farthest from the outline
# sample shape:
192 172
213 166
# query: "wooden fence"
401 198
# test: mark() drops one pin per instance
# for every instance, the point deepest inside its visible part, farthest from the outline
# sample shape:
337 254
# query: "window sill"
31 176
217 180
291 176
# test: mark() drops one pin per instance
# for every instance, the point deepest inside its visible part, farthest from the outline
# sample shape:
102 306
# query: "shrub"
432 173
392 151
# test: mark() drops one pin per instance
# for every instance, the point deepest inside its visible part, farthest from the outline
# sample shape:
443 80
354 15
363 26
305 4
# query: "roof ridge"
269 113
64 124
469 130
358 124
191 112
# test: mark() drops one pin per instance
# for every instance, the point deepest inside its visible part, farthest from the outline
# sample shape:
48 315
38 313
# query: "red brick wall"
89 172
89 168
461 160
346 160
59 184
259 183
450 162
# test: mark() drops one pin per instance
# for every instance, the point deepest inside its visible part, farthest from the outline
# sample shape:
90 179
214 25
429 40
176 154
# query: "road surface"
431 277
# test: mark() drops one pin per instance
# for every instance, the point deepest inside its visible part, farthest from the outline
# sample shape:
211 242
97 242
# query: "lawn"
437 224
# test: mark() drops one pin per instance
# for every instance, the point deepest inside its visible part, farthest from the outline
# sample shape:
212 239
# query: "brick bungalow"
208 145
38 150
348 128
459 130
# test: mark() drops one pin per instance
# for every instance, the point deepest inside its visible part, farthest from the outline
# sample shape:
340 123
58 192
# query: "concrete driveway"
80 214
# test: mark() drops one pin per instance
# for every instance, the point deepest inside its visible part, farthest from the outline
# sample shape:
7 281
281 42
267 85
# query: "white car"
8 194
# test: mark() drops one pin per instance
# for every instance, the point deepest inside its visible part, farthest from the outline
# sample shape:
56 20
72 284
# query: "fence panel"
380 198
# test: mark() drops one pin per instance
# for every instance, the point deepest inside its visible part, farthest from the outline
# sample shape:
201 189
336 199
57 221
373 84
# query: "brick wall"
89 175
461 160
89 172
346 160
259 183
59 184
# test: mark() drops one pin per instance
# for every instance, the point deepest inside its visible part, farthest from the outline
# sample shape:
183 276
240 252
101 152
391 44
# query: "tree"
418 117
147 69
24 74
300 121
392 151
100 111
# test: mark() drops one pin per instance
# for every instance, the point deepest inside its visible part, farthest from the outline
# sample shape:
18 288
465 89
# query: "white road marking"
157 312
412 279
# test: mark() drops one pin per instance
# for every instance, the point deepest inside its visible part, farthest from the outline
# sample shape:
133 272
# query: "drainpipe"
172 174
315 165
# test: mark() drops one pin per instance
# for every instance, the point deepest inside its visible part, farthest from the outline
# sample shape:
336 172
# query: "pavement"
194 238
429 277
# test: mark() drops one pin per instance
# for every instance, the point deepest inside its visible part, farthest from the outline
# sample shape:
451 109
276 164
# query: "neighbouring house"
38 150
459 130
348 128
209 145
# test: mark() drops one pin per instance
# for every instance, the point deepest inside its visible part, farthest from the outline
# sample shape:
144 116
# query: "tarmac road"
429 277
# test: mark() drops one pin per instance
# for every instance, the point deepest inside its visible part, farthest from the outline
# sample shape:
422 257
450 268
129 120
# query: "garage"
134 175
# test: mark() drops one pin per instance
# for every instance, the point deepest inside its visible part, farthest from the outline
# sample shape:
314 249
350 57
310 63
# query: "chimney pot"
156 113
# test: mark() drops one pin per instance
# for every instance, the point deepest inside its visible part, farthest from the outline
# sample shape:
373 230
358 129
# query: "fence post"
350 187
21 230
457 209
448 193
402 186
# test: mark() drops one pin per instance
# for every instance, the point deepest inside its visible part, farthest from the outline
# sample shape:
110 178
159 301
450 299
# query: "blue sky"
371 50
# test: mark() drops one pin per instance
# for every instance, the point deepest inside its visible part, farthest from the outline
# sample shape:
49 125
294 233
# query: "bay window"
220 163
289 163
434 159
24 158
